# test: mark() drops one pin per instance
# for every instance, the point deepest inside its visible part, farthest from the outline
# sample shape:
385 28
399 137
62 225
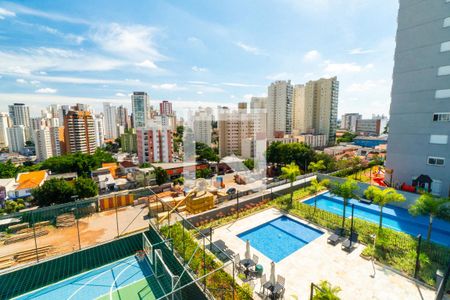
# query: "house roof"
127 164
30 180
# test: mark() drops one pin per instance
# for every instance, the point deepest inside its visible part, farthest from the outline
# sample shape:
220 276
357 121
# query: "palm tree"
317 166
290 172
316 186
432 206
346 191
326 291
383 197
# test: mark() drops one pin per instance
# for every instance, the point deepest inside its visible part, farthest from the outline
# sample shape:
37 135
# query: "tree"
204 152
326 291
383 197
85 187
161 176
249 163
8 170
53 191
329 161
346 138
346 191
145 165
12 206
429 205
203 173
290 172
317 166
317 186
300 153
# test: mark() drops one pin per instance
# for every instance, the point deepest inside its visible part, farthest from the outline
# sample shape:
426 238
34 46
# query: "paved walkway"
320 261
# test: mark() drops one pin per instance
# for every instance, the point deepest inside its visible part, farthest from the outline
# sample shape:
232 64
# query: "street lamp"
75 198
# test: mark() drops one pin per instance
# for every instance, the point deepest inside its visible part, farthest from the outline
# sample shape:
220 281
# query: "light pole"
75 210
374 237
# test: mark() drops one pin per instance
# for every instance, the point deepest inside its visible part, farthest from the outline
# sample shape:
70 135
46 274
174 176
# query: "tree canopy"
346 138
161 176
204 152
383 197
299 153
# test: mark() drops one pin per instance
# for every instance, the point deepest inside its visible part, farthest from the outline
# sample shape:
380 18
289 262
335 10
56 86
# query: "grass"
363 175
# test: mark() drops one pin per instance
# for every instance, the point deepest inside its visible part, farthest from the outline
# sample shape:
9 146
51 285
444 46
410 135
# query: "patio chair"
335 237
279 286
237 262
263 281
255 259
350 243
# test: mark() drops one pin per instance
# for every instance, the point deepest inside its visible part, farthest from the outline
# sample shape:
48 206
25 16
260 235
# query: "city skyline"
194 55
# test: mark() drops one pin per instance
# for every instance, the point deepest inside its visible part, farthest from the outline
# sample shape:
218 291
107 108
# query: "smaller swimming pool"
279 238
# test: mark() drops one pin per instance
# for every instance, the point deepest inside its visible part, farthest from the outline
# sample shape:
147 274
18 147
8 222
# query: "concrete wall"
410 197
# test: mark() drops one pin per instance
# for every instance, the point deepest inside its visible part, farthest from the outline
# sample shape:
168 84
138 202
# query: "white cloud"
249 49
312 55
199 93
340 68
167 87
77 39
46 91
366 86
6 13
43 73
236 84
21 81
361 51
120 95
199 69
20 9
147 64
35 82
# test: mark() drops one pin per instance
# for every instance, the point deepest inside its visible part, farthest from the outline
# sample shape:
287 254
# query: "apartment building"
43 143
279 108
79 132
371 127
140 105
16 138
154 144
348 121
203 118
4 125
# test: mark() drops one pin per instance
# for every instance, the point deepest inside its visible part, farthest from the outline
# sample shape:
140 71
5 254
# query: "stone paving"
320 261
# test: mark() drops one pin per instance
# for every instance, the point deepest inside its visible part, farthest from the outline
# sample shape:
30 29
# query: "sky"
194 53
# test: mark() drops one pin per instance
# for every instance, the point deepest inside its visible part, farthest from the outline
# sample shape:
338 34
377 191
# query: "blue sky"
194 52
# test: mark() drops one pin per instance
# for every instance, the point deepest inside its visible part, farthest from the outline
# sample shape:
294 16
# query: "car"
231 191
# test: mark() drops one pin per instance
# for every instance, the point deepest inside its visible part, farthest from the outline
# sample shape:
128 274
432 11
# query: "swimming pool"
127 278
394 217
280 237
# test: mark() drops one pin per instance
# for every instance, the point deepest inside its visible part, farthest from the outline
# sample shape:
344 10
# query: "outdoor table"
247 263
274 289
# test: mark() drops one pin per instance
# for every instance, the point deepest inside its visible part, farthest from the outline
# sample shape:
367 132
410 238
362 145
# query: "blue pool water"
394 217
280 237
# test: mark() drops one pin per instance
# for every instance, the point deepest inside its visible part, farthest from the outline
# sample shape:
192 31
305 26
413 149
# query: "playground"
374 176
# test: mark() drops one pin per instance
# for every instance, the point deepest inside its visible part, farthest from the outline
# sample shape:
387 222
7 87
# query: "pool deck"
318 261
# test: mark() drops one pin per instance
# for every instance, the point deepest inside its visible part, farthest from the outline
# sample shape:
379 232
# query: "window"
445 70
436 161
447 22
445 46
441 117
438 139
440 94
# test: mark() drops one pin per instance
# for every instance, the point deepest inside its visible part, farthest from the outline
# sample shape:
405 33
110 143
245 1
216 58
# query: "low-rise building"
26 182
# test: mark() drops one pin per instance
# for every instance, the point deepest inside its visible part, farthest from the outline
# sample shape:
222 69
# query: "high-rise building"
315 108
279 108
154 144
234 127
79 132
203 125
122 117
20 115
258 103
128 141
348 121
418 150
4 124
57 140
43 144
140 104
99 129
372 127
165 108
16 138
110 121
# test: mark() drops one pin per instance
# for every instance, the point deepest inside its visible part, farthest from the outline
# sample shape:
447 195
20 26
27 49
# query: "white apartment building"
20 115
348 121
313 140
373 127
4 124
279 108
99 130
16 138
203 125
56 137
140 104
110 121
43 144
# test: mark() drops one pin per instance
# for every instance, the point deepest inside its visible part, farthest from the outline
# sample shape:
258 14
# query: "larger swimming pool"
393 217
280 237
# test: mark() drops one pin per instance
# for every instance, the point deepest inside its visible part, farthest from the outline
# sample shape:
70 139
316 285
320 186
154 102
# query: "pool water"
394 217
280 237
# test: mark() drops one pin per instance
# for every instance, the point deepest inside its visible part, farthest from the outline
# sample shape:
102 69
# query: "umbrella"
272 273
247 250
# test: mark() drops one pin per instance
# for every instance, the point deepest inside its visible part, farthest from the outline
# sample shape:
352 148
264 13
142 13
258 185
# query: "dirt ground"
95 229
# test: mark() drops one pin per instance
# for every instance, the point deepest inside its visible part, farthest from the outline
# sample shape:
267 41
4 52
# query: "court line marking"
97 276
115 280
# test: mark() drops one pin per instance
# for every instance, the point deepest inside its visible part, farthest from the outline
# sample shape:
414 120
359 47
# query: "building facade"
371 127
140 104
165 108
128 141
4 125
279 108
419 123
154 144
43 144
110 121
122 117
79 132
203 125
16 138
348 121
20 115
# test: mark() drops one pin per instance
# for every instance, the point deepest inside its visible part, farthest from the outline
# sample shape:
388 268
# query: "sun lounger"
335 237
349 243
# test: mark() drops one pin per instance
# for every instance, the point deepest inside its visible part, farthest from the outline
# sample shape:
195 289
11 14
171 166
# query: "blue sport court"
279 238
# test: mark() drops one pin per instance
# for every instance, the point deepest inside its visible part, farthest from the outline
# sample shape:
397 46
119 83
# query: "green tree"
203 173
300 153
161 176
204 152
316 186
85 187
329 161
346 138
383 197
249 163
346 191
12 206
53 191
145 165
317 166
290 173
8 170
326 291
431 206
